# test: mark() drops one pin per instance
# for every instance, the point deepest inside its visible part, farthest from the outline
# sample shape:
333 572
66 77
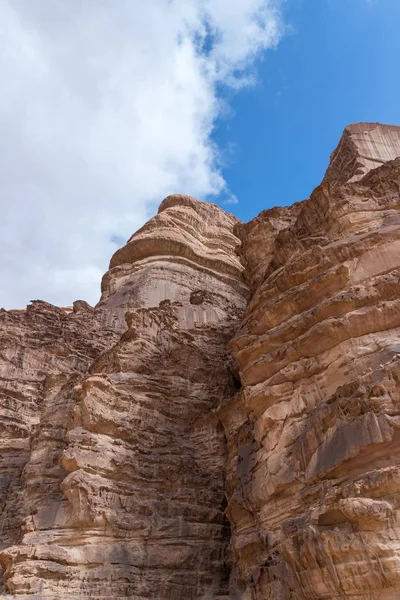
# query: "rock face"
363 147
313 469
225 422
113 456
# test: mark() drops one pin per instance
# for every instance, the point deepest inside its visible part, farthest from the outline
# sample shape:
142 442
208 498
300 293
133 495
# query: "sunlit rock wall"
313 469
113 456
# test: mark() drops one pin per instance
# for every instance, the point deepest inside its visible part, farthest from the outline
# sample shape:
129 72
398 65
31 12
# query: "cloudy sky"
107 106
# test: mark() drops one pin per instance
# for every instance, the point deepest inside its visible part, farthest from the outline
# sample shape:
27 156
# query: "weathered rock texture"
363 147
113 456
235 371
313 469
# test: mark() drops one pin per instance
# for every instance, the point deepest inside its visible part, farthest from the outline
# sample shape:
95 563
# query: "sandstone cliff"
225 422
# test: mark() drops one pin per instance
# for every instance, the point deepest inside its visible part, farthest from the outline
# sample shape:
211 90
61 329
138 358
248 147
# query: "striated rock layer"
225 422
364 146
112 454
313 468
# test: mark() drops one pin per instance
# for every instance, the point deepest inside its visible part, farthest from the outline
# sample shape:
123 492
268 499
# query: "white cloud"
106 106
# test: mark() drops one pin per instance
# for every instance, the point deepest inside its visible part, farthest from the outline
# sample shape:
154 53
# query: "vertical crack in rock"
224 424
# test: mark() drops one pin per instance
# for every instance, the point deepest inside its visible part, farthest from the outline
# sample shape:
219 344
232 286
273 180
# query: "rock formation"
313 469
363 147
225 422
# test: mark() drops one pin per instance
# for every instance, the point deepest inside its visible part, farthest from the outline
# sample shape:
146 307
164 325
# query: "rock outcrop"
313 469
363 147
113 456
225 422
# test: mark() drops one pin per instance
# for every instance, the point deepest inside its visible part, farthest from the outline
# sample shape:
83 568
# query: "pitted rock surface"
224 424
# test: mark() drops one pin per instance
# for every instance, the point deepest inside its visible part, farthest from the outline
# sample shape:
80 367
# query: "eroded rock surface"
225 422
363 147
313 470
112 454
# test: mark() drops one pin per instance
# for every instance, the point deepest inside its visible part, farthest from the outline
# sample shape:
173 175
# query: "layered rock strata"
113 477
363 147
225 422
313 469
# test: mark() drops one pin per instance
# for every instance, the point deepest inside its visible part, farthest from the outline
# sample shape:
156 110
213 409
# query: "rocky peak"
363 147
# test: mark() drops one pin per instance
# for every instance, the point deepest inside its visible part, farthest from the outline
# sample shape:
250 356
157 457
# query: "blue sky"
337 64
108 107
